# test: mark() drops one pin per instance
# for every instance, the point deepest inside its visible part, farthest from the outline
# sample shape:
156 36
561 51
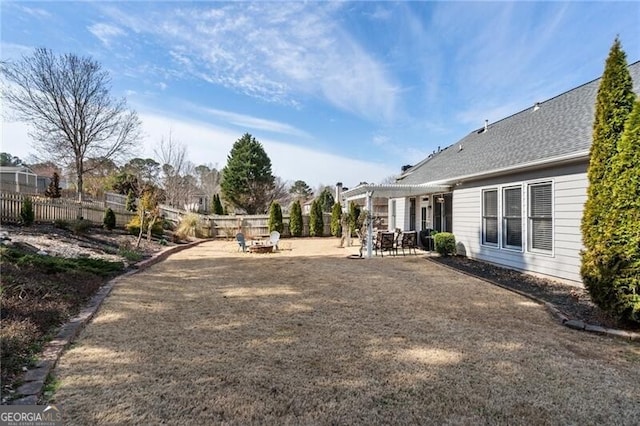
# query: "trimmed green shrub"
316 222
61 223
295 219
80 226
109 220
27 215
611 259
275 217
445 243
336 217
354 214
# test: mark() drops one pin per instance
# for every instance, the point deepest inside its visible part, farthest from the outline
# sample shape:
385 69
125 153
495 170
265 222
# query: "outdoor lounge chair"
274 237
385 241
409 241
242 245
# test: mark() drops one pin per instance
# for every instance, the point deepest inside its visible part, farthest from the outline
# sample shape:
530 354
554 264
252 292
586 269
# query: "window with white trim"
490 216
512 217
540 217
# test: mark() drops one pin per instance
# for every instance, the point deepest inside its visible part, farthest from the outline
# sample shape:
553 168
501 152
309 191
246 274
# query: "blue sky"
335 91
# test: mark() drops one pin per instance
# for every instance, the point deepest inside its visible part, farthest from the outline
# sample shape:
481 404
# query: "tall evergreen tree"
217 205
625 226
326 200
316 221
614 103
275 217
300 190
54 190
295 219
336 219
247 182
354 214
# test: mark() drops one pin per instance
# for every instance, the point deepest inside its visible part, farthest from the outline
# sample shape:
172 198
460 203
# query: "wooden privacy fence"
250 225
51 209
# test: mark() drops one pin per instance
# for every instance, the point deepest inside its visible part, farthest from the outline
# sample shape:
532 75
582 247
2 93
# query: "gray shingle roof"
560 126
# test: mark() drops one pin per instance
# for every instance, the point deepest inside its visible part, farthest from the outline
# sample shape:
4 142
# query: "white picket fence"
47 210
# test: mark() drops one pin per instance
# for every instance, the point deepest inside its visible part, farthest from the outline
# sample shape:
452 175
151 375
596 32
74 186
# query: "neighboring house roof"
15 169
553 130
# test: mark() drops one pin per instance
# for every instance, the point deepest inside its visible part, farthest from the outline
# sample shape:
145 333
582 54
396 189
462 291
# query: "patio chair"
242 245
409 241
385 241
274 237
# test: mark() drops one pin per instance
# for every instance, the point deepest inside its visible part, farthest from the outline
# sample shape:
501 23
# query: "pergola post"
370 224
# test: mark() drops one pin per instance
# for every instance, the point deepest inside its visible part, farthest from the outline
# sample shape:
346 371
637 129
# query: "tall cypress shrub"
275 217
600 259
336 216
316 222
295 219
625 226
217 205
354 214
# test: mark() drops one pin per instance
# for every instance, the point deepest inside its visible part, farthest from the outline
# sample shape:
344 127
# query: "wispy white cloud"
282 53
246 121
106 33
36 12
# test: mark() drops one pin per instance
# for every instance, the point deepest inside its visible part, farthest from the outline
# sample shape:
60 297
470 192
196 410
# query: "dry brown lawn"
307 336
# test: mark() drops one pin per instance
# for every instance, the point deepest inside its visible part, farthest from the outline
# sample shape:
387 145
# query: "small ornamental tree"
316 222
54 190
275 217
295 219
27 215
354 213
336 216
109 220
602 257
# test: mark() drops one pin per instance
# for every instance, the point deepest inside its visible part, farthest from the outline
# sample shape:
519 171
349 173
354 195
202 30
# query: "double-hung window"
540 217
490 216
512 217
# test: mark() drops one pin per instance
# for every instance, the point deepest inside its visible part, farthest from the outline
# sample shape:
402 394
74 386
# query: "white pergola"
393 190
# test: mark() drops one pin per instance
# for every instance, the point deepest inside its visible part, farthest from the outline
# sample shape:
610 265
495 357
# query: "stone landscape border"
34 380
555 312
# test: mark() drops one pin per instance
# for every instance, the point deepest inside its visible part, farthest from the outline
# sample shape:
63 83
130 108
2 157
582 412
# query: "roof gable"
560 126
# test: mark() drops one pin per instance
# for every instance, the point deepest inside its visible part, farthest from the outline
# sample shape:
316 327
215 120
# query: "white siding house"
513 191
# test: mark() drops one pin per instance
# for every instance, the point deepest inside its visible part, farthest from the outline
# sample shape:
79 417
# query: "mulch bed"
572 301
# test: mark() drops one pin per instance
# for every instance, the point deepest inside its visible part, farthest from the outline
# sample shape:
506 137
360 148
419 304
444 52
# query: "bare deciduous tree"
66 102
178 180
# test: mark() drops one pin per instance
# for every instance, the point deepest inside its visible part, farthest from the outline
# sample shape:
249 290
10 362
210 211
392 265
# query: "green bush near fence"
27 215
109 220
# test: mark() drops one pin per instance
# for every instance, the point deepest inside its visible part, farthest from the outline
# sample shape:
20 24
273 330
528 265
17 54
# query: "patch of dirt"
572 301
97 243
